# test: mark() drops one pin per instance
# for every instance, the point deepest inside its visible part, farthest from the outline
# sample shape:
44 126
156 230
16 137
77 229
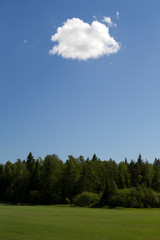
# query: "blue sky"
49 104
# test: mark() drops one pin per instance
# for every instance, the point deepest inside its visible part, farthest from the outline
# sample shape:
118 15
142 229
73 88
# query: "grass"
69 223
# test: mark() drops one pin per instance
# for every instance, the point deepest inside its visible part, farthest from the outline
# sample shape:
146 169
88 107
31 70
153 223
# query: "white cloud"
117 15
108 20
79 40
25 41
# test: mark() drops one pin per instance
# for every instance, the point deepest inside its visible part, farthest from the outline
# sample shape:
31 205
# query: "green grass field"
67 223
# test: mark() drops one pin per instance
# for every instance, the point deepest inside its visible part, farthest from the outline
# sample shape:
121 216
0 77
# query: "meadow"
68 223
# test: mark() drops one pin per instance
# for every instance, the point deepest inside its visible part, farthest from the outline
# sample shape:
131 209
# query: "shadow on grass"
17 204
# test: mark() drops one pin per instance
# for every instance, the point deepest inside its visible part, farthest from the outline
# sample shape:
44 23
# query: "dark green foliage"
123 175
156 175
136 198
51 181
86 199
72 170
30 161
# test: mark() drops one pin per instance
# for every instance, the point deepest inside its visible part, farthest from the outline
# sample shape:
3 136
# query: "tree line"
52 181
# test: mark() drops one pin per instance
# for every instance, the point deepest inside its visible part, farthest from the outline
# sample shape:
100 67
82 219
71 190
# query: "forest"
83 182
